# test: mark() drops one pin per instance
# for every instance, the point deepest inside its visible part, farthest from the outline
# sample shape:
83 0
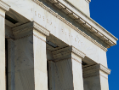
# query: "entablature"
86 22
60 28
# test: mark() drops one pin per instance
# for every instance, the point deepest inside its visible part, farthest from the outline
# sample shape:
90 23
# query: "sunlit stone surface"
52 45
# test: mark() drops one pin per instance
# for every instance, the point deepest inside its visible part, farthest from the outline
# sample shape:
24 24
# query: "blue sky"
106 13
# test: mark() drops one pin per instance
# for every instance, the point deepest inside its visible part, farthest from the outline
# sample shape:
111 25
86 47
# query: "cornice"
98 33
69 24
104 69
30 26
4 6
88 1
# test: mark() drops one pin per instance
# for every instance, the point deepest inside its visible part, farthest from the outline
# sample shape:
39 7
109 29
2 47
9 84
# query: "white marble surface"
40 61
62 31
27 60
82 5
65 71
104 81
2 51
77 72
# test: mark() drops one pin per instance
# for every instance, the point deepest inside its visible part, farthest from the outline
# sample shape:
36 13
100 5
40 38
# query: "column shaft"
40 61
3 8
96 77
29 62
77 72
66 70
2 50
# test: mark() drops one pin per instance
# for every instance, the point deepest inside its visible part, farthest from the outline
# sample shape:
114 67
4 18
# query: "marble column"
96 77
27 58
3 8
65 71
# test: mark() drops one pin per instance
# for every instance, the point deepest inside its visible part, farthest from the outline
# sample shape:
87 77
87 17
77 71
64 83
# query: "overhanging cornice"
86 22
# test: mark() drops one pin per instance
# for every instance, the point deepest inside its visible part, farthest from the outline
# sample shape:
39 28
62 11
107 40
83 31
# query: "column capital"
4 6
66 53
27 29
95 70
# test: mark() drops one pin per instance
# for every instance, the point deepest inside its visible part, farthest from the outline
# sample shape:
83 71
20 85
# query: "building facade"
52 45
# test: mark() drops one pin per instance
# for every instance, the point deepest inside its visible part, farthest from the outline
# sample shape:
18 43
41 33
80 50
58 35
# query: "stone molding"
104 69
77 60
4 6
39 38
29 27
88 1
86 24
70 25
66 53
95 70
41 29
78 52
79 19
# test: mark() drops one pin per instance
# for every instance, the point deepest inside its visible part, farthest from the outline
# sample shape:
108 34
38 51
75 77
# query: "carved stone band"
4 6
78 52
41 29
